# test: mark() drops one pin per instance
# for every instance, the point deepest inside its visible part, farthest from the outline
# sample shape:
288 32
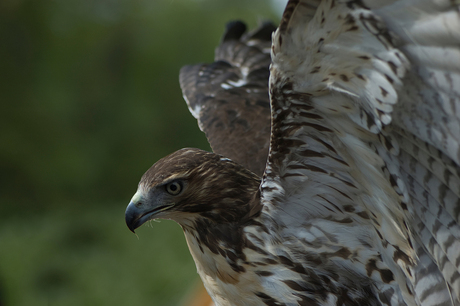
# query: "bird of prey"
335 177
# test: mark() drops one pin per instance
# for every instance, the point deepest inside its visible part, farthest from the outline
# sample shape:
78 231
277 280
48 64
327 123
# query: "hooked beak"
134 217
138 213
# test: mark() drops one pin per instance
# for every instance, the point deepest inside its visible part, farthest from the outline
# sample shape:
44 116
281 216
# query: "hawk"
335 176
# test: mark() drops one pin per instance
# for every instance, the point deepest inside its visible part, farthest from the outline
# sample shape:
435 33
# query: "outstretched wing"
364 157
230 96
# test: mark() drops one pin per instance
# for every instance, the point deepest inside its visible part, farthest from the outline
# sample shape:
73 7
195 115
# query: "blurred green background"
90 98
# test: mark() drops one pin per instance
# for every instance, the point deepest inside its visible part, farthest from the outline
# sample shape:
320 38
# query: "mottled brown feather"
230 96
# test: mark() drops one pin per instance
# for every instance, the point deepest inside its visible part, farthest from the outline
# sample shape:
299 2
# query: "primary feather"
359 201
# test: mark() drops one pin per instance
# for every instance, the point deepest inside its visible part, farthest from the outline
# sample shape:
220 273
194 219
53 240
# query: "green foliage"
58 259
90 98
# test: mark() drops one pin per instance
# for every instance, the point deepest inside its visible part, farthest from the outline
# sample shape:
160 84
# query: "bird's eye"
174 188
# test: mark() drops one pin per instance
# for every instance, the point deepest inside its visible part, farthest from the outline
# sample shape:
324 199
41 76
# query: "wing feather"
230 96
366 141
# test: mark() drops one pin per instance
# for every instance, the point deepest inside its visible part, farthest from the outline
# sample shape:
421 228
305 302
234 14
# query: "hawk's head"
191 184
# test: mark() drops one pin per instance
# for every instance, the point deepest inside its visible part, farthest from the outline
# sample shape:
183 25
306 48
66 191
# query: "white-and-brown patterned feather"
229 97
359 203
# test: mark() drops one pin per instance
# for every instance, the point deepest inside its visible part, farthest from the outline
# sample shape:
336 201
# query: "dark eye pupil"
174 188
